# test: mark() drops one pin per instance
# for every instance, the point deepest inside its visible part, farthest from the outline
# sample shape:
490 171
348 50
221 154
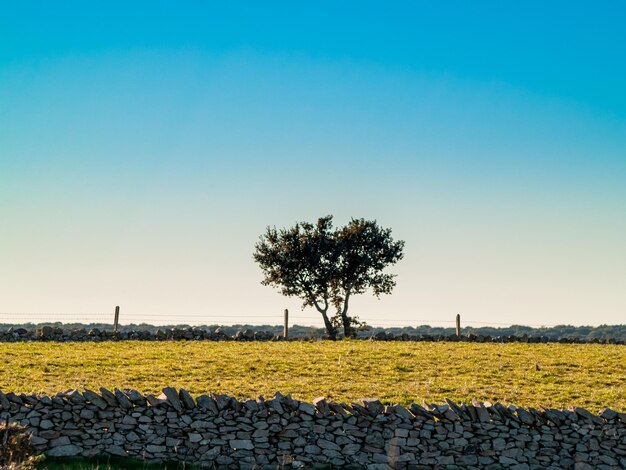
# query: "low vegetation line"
548 375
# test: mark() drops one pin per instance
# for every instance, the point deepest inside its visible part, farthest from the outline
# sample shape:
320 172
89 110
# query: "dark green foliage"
108 463
325 267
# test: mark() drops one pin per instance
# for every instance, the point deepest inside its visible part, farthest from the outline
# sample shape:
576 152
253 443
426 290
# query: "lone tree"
325 267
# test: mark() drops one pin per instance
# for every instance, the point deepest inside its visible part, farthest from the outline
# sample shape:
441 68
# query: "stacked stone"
220 431
50 333
474 338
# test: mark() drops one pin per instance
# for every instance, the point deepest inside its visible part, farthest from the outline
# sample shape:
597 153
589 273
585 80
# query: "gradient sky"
145 146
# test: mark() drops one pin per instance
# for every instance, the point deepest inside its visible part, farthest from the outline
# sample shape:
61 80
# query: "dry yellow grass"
552 375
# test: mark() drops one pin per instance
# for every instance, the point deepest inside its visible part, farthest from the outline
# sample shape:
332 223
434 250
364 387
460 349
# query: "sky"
145 147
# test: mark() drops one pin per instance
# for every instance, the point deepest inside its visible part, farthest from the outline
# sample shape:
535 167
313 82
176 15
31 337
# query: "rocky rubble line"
220 431
51 333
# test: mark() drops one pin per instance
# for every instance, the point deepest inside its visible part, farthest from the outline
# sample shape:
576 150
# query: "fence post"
286 325
116 318
458 325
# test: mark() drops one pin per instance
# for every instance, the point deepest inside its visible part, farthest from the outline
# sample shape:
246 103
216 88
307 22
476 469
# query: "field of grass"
549 375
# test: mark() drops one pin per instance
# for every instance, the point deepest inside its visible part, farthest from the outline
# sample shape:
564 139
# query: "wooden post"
116 318
286 325
458 325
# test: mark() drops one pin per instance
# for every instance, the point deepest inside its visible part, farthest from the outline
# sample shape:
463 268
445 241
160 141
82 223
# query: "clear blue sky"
144 147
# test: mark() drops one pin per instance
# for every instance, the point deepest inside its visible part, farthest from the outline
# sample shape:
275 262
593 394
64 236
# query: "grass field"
555 375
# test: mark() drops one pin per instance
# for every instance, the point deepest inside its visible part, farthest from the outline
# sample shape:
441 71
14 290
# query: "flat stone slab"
70 450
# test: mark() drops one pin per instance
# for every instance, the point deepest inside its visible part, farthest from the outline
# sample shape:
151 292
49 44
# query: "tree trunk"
330 329
348 330
345 319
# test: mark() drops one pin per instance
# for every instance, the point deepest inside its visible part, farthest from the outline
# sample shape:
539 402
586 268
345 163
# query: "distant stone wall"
220 431
51 333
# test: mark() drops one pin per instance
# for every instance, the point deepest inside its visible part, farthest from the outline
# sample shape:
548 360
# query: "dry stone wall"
54 333
219 431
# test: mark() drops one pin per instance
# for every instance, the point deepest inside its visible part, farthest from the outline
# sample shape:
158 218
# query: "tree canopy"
325 267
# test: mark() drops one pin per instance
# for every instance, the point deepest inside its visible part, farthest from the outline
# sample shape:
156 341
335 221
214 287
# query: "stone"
608 414
312 449
372 405
583 413
401 432
504 460
608 460
4 402
75 397
116 450
498 444
223 401
350 449
38 440
403 412
524 416
381 458
47 332
307 408
171 395
322 405
122 399
223 460
186 399
460 442
210 454
582 466
94 398
129 420
466 460
86 414
46 424
155 449
375 439
65 451
135 397
108 397
60 441
207 403
241 444
481 412
326 444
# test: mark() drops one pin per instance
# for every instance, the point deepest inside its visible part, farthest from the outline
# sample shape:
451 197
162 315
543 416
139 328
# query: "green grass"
106 463
549 375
